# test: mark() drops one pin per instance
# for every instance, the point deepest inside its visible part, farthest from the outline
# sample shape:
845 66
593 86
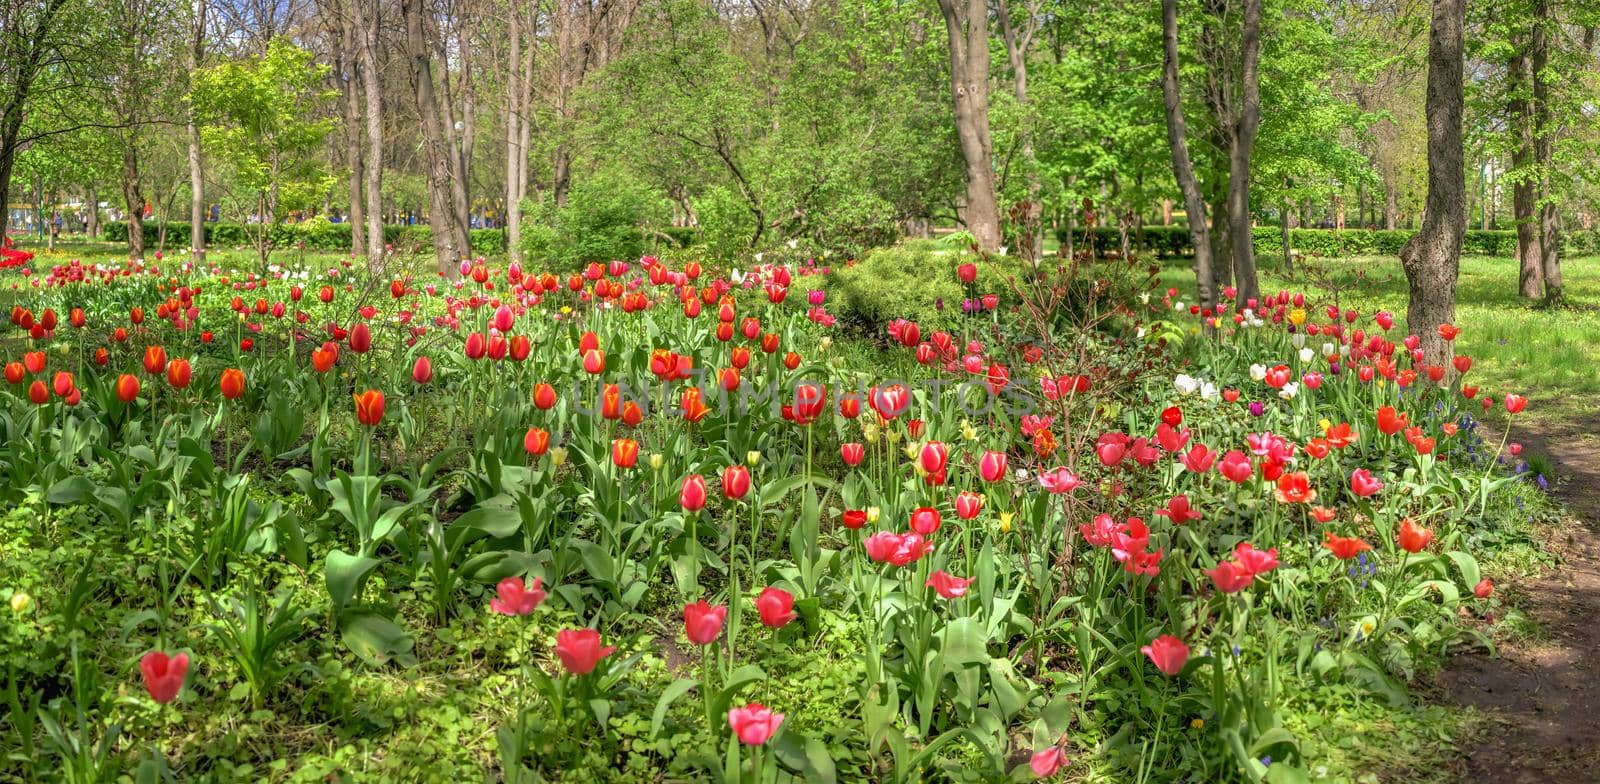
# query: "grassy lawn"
1547 354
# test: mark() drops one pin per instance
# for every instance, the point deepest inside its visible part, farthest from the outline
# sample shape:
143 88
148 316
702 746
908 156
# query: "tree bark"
349 71
1018 42
1243 142
447 247
514 114
372 86
967 27
1221 244
197 174
1182 167
1543 153
1432 256
1524 198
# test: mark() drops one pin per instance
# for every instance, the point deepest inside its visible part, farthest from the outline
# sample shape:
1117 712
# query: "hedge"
325 236
316 235
1174 241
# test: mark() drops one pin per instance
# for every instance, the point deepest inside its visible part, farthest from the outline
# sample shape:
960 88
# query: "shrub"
603 219
317 234
726 224
915 279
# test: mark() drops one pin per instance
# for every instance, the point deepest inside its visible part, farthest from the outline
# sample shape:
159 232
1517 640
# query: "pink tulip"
947 585
163 674
1167 653
516 597
755 724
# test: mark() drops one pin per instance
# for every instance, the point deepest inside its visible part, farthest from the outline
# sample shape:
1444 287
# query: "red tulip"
580 650
1229 577
968 504
594 362
925 520
1448 331
1412 537
155 360
232 384
34 361
776 607
702 623
1047 762
624 452
360 338
947 585
1483 589
754 723
1172 416
1236 467
692 497
163 675
127 387
735 482
1344 547
853 453
369 407
322 359
544 396
64 385
1363 483
853 519
1390 422
1178 510
16 372
536 442
38 393
1198 459
992 466
422 371
1168 654
1515 403
514 597
934 457
178 373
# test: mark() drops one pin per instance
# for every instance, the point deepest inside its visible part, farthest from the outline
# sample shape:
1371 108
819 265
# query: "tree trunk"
1182 168
197 174
132 197
1524 199
1431 257
372 86
967 27
1243 143
514 113
1543 153
1283 228
91 220
441 213
1017 44
1221 245
349 46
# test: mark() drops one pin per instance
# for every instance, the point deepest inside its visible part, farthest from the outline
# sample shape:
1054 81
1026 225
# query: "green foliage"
315 234
605 217
913 280
1170 241
726 224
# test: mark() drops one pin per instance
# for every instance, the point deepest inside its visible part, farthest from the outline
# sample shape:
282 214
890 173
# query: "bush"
726 223
603 219
914 280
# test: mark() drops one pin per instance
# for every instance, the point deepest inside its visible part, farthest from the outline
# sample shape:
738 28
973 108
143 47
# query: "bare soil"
1542 698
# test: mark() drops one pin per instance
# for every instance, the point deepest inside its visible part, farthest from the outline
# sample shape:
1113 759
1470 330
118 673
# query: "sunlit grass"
1517 346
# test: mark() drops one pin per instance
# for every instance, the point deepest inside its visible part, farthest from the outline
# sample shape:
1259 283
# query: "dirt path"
1544 698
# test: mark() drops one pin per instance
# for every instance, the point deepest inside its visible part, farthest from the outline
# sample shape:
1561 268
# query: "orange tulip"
369 407
233 385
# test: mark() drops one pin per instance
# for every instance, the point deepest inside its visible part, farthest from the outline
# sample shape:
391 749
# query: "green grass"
1548 354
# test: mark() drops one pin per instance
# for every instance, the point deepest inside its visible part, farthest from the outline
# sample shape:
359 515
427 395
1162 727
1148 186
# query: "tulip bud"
751 458
558 456
21 602
656 461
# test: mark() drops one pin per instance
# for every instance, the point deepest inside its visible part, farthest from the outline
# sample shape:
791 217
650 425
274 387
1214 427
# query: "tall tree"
967 27
197 175
1242 141
1018 38
31 39
372 92
1182 167
1432 256
450 238
1524 189
1543 146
